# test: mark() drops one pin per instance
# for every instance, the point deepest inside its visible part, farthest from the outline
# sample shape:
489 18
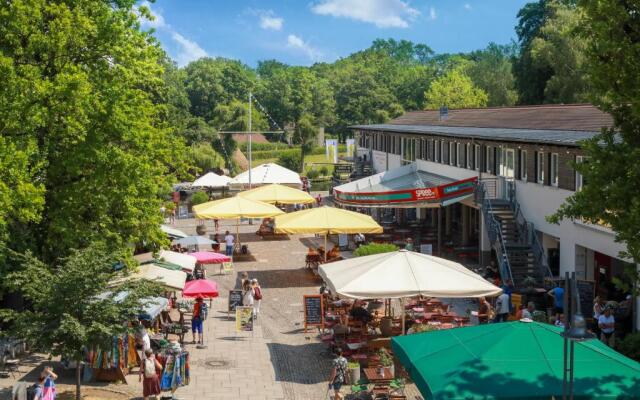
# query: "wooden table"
373 375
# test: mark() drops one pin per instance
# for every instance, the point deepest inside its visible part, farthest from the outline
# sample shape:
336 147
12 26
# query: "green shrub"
374 248
290 160
630 346
313 174
262 146
324 171
199 198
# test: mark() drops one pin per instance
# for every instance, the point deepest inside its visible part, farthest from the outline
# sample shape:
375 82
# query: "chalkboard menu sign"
313 315
235 300
586 289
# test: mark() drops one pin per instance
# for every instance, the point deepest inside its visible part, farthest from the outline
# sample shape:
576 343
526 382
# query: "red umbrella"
210 257
200 288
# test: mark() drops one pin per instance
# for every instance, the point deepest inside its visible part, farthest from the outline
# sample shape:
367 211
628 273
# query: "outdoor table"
373 376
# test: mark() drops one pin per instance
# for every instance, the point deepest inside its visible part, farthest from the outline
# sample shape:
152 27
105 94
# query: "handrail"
526 233
495 232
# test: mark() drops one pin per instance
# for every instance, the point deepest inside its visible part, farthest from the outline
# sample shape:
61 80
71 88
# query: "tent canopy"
235 207
152 307
401 274
276 193
194 241
186 261
325 221
210 257
169 278
172 232
211 180
512 360
268 173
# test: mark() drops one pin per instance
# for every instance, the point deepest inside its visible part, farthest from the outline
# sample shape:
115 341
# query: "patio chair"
9 366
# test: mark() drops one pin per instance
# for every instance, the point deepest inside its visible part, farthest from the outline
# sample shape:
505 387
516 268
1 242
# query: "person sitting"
359 239
312 256
199 272
528 312
321 251
607 325
216 245
334 254
359 313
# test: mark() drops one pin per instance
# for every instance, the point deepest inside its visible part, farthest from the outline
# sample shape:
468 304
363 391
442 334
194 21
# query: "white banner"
351 147
331 150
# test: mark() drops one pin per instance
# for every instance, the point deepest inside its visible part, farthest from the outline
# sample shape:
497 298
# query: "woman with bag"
149 375
257 297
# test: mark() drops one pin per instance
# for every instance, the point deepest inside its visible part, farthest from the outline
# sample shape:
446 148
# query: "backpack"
257 293
149 368
31 391
204 311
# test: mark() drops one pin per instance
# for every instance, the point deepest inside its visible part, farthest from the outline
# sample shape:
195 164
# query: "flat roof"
546 136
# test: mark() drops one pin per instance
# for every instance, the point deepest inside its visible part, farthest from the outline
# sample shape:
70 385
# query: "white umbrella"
186 261
401 274
194 241
211 180
268 173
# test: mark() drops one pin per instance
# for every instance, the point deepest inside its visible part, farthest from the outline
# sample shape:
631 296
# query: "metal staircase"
521 257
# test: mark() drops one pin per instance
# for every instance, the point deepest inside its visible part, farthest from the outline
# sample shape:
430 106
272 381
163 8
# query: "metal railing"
494 230
526 233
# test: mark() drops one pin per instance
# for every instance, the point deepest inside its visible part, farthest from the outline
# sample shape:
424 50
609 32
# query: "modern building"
489 178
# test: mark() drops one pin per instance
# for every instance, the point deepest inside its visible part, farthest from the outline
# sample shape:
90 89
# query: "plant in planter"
354 372
386 360
418 328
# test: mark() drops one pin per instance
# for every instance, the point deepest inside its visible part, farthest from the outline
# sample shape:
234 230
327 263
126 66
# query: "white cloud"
467 6
188 50
297 43
381 13
268 20
432 14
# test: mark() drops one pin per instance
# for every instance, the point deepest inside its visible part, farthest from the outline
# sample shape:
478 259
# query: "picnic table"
373 375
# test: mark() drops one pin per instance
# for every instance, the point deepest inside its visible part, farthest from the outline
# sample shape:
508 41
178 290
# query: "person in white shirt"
228 240
502 308
528 312
607 325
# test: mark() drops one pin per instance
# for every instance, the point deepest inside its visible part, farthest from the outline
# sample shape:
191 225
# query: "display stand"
313 311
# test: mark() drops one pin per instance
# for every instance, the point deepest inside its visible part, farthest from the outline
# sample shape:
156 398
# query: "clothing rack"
114 364
175 369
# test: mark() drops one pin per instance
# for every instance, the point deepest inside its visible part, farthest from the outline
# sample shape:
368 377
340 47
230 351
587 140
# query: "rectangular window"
487 159
436 150
468 156
443 152
540 167
553 169
498 167
460 155
579 177
476 158
452 153
523 165
509 163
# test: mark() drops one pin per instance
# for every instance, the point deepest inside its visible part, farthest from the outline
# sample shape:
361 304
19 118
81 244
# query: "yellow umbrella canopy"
276 193
325 221
235 207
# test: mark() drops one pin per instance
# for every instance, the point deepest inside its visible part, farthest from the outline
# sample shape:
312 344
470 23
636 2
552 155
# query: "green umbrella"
512 360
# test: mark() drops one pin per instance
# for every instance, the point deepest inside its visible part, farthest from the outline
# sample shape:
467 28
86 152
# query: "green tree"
80 98
290 160
204 158
211 82
558 48
305 134
76 305
611 194
197 130
491 72
454 90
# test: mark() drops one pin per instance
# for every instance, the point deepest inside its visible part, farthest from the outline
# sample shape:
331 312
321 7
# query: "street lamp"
575 330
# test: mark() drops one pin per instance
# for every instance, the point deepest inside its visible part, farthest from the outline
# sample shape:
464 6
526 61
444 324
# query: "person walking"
228 240
150 369
257 297
557 293
196 320
216 224
247 294
607 325
338 375
502 308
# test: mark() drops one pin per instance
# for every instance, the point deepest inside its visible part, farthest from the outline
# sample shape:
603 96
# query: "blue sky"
302 32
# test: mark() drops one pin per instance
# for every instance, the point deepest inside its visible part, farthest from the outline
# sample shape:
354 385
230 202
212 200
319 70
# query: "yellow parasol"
235 208
275 193
325 221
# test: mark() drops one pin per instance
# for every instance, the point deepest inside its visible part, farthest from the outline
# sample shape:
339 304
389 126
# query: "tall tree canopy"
612 30
454 90
81 108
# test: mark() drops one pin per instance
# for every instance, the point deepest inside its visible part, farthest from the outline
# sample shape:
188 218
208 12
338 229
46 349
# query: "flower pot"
354 375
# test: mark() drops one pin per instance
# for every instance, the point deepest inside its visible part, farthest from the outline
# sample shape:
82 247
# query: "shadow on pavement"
299 363
284 278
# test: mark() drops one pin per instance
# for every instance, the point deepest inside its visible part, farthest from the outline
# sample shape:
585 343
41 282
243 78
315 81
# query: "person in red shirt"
196 320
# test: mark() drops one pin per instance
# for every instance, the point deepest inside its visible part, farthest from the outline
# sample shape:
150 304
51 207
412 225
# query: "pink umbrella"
200 288
210 257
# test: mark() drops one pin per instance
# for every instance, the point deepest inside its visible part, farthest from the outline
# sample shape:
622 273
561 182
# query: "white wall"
538 201
446 170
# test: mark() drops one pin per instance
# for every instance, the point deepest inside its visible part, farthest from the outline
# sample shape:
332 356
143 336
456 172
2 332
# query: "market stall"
186 261
278 194
210 257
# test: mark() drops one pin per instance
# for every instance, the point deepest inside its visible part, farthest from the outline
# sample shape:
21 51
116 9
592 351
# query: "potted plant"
386 361
354 372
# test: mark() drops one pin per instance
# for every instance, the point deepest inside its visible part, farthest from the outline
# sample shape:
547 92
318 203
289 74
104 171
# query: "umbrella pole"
238 232
325 247
402 306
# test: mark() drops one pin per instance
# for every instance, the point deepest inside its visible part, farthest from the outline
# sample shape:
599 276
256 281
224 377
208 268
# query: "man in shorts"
196 320
338 375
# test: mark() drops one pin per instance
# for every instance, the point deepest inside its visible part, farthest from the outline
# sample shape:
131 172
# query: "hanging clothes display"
175 370
122 354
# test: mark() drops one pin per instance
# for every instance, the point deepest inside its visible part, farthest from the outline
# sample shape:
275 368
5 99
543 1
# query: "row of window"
496 160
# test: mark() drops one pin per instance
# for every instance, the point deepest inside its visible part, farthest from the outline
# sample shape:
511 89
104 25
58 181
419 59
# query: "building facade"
523 153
